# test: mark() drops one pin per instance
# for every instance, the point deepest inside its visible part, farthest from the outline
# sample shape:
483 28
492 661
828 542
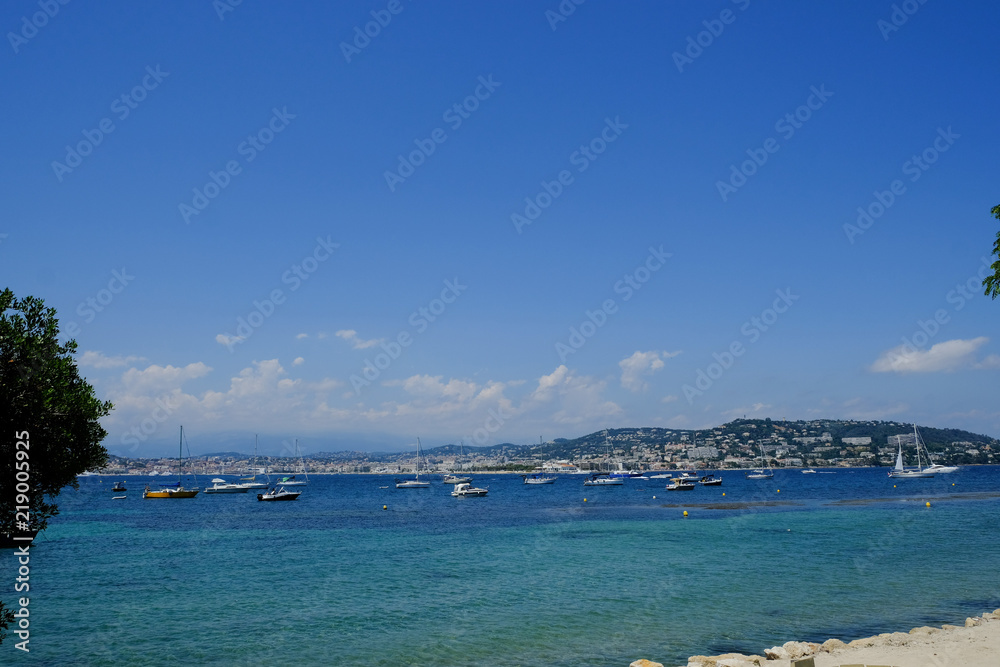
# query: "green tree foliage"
992 283
42 396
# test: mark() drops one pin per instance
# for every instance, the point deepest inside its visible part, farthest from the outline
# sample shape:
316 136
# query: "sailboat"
761 472
413 483
295 480
176 491
252 482
899 472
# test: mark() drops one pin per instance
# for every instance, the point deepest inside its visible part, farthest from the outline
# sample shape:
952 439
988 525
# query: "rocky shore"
977 644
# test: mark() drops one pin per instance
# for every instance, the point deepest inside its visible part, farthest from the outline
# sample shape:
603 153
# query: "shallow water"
528 575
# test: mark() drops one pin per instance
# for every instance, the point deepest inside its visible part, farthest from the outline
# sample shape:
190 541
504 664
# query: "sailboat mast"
180 452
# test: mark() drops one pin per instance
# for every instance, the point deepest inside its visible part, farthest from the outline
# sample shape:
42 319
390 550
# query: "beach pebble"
831 645
642 662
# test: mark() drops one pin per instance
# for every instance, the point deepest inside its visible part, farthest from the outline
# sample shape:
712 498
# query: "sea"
357 572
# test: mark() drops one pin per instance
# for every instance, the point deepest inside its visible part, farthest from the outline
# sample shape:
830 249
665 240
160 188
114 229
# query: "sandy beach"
974 644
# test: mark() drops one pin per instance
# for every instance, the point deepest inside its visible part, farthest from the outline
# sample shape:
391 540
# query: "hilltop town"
738 444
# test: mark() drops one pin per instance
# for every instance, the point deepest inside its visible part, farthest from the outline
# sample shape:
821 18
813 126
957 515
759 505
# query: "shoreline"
974 644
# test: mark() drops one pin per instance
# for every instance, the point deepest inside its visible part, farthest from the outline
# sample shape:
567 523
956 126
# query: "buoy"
779 490
894 486
385 507
685 512
928 504
723 493
584 500
953 483
654 497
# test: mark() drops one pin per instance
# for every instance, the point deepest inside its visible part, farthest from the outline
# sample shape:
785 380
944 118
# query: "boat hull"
170 493
275 498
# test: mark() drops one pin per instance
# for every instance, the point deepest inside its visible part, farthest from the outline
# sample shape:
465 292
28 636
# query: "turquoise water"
529 575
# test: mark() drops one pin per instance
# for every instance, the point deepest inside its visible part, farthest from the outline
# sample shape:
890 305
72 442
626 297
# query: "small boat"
175 490
220 485
251 481
764 471
295 480
119 498
414 483
939 469
466 490
899 472
680 484
119 487
664 475
808 471
279 493
603 480
710 480
538 479
456 479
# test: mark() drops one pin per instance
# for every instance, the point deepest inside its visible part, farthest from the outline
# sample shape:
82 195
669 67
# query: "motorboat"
119 487
279 493
220 485
456 479
538 479
466 490
808 471
939 469
710 480
680 484
603 480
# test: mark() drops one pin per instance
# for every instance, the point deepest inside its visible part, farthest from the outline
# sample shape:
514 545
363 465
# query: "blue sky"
524 219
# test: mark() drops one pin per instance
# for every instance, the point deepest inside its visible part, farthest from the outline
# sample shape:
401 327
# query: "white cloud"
351 336
669 399
94 359
156 379
301 336
575 399
298 361
951 355
639 365
227 340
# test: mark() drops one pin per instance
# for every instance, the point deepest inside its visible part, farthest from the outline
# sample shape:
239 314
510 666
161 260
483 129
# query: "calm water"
529 575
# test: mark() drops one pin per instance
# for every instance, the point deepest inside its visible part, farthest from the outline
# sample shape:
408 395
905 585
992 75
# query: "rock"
831 645
924 630
642 662
973 622
736 662
776 653
799 649
949 627
864 642
701 661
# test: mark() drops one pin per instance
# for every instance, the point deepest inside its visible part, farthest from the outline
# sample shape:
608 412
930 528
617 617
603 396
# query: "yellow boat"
173 492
